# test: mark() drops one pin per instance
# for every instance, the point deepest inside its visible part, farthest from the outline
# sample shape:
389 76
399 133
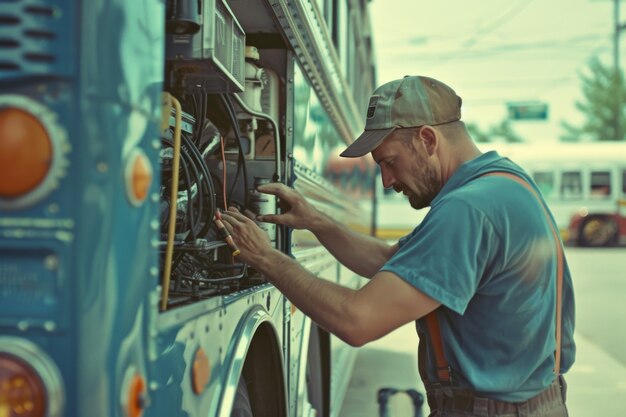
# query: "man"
483 274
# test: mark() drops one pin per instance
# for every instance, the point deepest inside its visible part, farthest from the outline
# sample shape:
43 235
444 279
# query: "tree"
503 132
477 134
603 106
506 132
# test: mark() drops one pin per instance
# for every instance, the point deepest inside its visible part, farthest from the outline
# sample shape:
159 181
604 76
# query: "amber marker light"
138 177
201 371
22 392
136 394
25 153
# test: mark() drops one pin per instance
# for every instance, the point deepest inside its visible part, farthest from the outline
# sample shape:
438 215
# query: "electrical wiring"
196 173
204 178
192 256
230 108
185 163
224 173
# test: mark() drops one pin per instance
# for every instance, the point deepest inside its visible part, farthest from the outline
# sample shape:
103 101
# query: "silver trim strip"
304 27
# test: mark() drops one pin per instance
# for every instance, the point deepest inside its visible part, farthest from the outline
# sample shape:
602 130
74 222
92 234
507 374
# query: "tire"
241 406
597 231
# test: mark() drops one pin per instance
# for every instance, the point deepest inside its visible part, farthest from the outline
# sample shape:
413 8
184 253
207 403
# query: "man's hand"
252 241
297 212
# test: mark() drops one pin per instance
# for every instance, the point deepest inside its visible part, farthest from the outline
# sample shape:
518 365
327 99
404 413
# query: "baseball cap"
412 101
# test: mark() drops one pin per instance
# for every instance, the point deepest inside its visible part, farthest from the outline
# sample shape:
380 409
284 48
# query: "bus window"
600 184
571 184
545 182
623 182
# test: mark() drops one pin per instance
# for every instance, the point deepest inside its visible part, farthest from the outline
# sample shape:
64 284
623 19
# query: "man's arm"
362 254
355 316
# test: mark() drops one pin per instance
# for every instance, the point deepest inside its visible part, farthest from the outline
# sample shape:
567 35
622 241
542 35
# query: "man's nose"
387 177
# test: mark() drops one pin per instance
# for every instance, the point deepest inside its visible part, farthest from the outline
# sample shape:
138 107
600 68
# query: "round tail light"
25 152
33 148
30 382
22 392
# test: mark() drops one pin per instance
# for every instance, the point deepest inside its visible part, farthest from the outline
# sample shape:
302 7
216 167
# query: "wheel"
314 377
597 231
241 406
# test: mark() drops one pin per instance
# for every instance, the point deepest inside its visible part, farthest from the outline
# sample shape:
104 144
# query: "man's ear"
429 139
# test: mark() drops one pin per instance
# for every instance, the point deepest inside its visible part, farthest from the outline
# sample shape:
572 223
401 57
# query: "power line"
563 45
510 14
473 40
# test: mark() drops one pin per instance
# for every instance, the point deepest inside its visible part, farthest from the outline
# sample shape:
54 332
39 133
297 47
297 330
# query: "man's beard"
429 187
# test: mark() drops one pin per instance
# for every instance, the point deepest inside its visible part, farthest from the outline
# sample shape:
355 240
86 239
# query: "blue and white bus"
124 126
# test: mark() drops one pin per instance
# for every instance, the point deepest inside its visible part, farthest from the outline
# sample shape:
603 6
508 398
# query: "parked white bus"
587 180
576 179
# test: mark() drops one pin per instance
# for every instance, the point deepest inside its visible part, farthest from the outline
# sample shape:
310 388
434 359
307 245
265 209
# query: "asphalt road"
597 381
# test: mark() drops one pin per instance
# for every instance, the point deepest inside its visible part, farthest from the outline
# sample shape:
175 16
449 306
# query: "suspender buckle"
445 374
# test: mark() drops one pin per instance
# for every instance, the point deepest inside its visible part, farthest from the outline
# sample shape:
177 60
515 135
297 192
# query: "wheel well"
263 372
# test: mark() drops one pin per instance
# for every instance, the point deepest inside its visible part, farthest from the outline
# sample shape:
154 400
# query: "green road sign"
528 111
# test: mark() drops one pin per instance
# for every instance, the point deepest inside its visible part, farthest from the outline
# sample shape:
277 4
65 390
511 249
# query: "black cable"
177 255
204 105
190 156
198 111
185 161
240 157
207 181
193 154
183 167
228 102
197 177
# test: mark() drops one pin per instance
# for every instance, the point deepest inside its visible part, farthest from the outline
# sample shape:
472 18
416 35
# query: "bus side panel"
223 328
341 188
78 241
121 63
37 229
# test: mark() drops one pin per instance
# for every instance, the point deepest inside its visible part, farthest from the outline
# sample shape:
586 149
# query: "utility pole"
618 29
616 67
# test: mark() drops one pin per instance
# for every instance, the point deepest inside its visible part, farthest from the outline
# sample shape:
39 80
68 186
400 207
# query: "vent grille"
35 38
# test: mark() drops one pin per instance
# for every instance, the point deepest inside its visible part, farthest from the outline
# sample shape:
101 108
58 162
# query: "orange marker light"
22 393
136 392
25 152
201 371
138 177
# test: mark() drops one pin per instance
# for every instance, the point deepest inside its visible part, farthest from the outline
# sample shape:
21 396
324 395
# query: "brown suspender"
432 326
432 323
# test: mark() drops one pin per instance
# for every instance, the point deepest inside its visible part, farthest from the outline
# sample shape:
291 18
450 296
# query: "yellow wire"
171 231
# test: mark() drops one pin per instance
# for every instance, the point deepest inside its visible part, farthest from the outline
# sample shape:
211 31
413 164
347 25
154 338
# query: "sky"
497 52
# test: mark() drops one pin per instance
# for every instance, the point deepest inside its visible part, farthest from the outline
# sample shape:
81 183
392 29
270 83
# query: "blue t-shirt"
486 252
